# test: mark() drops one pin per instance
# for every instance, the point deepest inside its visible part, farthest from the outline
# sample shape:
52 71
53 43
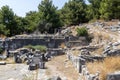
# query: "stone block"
32 66
2 63
42 65
113 76
55 78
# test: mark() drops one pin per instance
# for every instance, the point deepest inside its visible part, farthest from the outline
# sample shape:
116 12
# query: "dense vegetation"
1 50
82 31
37 47
48 17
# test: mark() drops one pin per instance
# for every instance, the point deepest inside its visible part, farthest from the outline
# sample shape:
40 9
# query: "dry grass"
76 52
2 36
109 65
10 60
48 72
100 36
62 45
98 51
30 77
60 66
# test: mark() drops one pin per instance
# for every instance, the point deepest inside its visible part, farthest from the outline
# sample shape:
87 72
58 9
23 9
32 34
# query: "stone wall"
80 65
18 43
113 76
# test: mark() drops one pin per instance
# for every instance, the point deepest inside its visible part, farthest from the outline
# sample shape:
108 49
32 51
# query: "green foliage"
8 20
105 9
32 19
29 46
22 25
3 30
82 31
44 26
38 47
93 9
110 9
1 50
74 12
49 18
11 24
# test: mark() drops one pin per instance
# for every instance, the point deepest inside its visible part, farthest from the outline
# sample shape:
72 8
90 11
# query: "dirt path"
58 66
62 67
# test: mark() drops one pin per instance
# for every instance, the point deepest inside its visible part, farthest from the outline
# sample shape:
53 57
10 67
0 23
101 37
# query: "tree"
32 19
116 9
110 9
8 20
105 9
93 9
22 24
3 30
73 12
49 16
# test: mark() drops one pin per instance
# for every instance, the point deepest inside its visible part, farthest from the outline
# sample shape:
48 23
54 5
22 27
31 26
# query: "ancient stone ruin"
88 51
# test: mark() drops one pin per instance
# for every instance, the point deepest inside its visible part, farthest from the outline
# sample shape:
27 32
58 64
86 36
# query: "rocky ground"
108 42
57 66
13 71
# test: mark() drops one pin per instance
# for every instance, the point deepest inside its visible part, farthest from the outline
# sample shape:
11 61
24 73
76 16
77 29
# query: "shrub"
82 31
1 50
29 46
38 47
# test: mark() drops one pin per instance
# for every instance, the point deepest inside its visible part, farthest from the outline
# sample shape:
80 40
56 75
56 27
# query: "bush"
38 47
1 50
29 46
82 31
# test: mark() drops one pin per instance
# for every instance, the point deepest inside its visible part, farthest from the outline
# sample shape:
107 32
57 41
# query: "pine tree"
49 18
74 12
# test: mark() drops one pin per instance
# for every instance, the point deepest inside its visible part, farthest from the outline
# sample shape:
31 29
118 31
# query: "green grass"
37 47
82 31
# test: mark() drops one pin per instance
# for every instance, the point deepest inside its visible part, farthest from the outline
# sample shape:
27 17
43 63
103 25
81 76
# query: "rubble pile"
113 76
112 49
79 63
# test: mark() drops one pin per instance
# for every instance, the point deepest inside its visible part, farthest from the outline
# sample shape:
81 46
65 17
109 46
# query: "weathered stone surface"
81 63
49 41
42 65
55 78
85 52
17 58
48 55
32 66
2 57
113 76
2 63
112 50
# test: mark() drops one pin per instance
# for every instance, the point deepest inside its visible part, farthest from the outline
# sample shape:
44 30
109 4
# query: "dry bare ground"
62 67
58 66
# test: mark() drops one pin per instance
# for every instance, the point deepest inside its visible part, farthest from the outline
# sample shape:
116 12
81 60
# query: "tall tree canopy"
8 20
22 24
110 9
32 19
49 18
73 12
93 9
